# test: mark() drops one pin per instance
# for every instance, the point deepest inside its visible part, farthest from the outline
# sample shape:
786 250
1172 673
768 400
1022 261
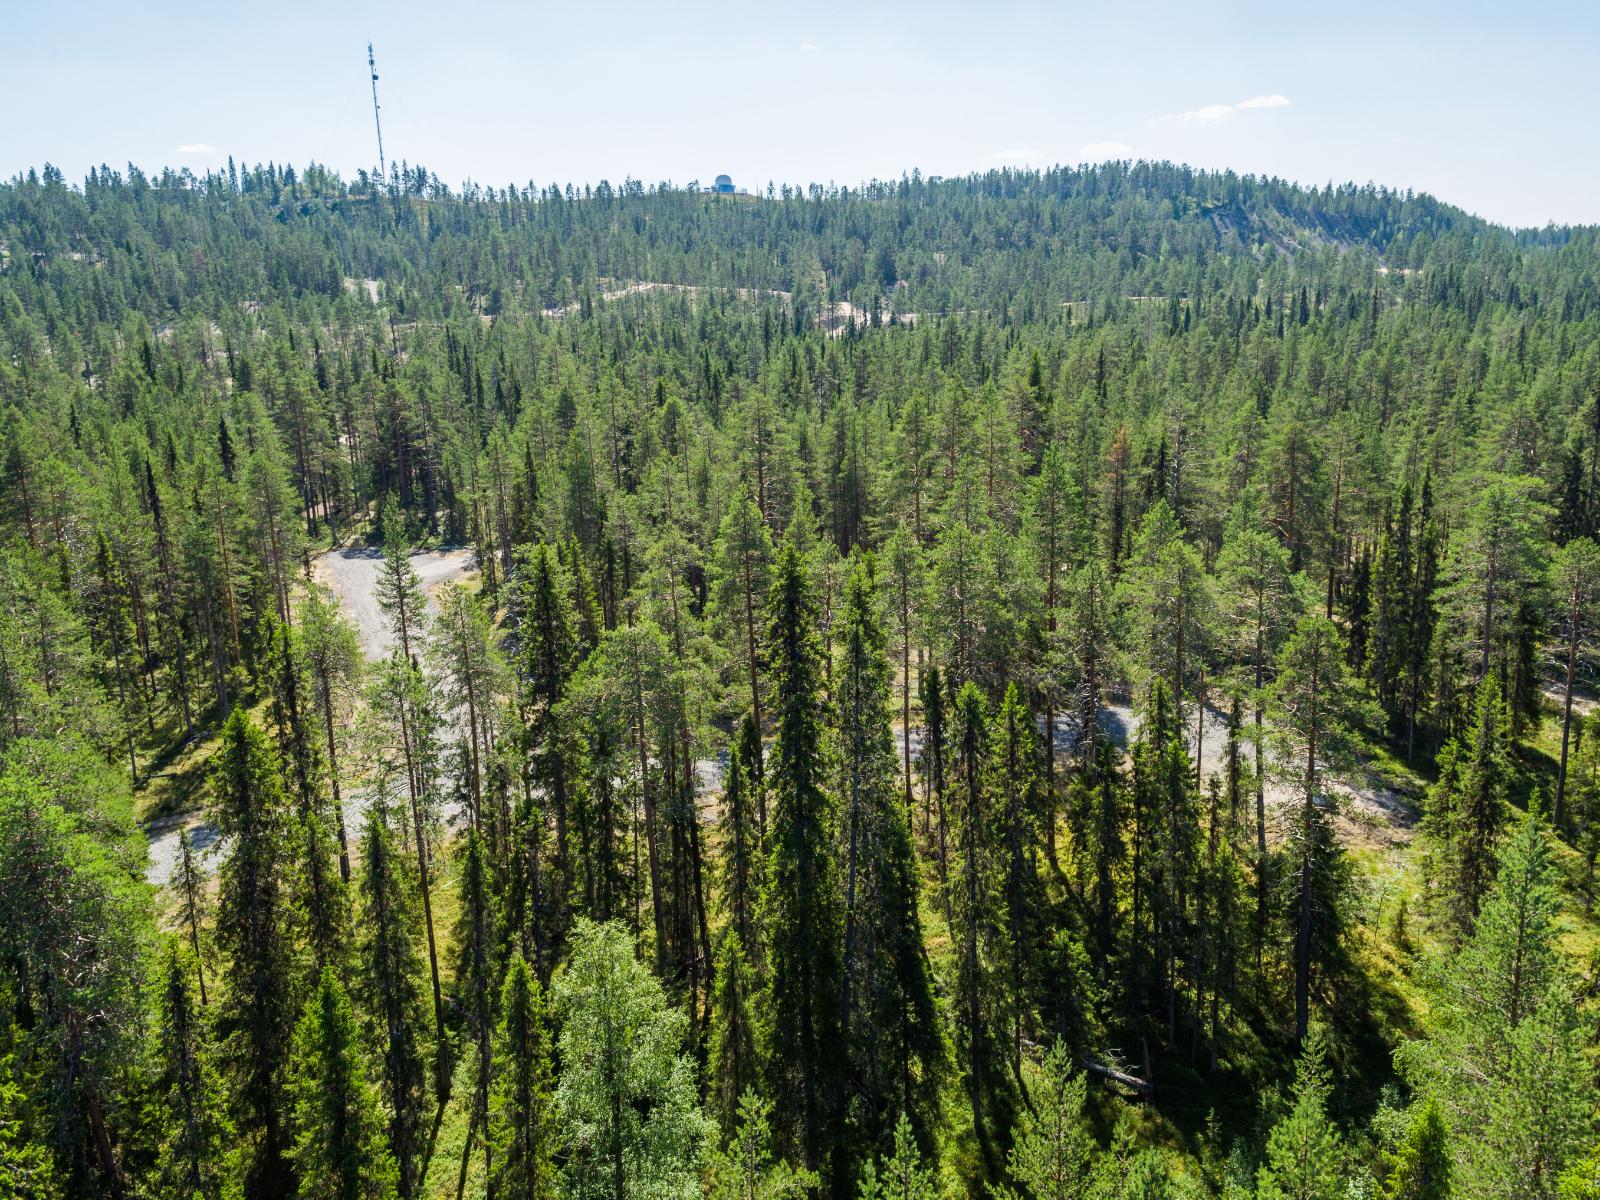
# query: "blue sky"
1494 107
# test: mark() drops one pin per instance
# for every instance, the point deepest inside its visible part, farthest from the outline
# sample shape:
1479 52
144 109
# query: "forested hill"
1052 686
1000 242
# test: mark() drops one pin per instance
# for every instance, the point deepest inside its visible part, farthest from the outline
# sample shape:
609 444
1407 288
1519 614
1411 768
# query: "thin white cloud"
1018 156
1276 100
808 47
1215 114
1104 151
197 148
1211 114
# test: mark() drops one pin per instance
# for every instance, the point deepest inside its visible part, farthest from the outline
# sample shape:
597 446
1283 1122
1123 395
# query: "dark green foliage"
1110 432
802 918
255 931
389 985
522 1116
195 1156
1467 807
339 1151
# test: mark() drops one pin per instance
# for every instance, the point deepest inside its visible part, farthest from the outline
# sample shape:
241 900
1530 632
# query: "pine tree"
1496 565
801 917
1059 534
746 1170
741 873
460 647
1504 1060
333 656
403 717
191 888
522 1125
1168 599
1389 646
1316 710
741 569
399 590
1304 1154
1052 1152
339 1151
1013 771
1576 580
933 776
904 1175
254 930
1259 602
476 973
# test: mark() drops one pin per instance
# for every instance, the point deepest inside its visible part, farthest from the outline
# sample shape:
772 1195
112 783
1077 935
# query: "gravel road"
351 577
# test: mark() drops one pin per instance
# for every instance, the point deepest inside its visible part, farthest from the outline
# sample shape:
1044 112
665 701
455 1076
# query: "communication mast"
372 69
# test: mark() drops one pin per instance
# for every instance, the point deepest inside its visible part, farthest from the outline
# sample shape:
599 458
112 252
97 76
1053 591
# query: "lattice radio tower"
372 69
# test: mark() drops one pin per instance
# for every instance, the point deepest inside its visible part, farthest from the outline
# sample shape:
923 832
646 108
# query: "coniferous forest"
1076 684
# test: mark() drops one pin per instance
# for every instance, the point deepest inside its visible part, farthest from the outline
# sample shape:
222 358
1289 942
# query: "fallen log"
1142 1088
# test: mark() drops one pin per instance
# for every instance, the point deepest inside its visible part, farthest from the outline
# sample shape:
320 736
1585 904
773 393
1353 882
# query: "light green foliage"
747 1170
1053 1154
630 1119
903 1175
1504 1062
1305 1156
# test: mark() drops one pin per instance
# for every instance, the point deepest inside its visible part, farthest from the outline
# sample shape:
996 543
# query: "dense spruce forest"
1032 685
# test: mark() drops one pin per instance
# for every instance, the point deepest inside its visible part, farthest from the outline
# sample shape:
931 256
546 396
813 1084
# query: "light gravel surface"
350 575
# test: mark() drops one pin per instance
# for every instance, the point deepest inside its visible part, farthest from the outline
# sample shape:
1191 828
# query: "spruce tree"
339 1151
522 1119
978 909
888 1022
734 1065
801 917
254 930
1466 808
1419 1169
194 1155
399 590
389 985
1576 580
